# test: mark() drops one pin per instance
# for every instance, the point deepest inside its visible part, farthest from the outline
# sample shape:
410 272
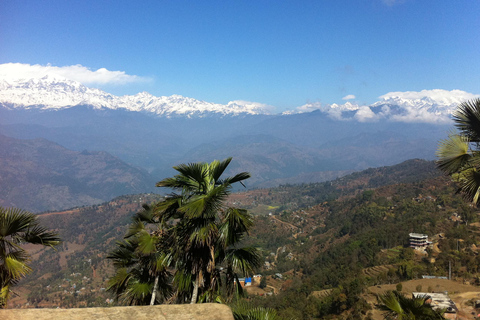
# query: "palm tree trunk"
195 290
154 293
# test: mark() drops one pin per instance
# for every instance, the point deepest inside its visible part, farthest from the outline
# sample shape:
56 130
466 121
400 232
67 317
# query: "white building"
418 241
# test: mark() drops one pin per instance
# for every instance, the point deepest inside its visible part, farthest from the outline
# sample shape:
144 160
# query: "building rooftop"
417 235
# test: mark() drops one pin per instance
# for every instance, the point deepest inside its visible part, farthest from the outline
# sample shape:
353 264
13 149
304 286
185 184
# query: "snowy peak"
49 92
424 106
433 106
57 93
427 97
54 93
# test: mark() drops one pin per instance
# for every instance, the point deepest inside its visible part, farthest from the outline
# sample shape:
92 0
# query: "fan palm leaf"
16 228
459 154
453 153
467 119
397 306
243 311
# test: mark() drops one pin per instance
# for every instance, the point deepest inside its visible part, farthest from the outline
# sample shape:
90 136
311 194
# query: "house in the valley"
419 241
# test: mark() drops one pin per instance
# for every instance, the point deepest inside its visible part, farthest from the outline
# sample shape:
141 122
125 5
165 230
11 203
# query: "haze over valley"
311 143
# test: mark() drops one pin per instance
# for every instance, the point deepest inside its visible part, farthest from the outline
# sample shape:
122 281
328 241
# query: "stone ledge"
206 311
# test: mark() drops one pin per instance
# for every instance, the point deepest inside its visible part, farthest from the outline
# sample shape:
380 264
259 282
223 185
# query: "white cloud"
349 97
334 111
77 72
439 96
365 114
309 107
420 116
253 106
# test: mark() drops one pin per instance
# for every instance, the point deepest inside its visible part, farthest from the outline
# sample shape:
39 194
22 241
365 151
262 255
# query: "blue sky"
281 53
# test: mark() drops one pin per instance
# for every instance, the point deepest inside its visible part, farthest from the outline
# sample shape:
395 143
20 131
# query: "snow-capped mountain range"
434 106
55 93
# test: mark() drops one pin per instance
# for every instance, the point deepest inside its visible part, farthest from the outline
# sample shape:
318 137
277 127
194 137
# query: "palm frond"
243 260
138 293
390 302
135 228
118 283
234 225
237 178
17 227
168 208
147 243
470 185
217 168
467 119
398 306
14 221
146 215
243 311
16 266
453 153
40 235
205 205
124 254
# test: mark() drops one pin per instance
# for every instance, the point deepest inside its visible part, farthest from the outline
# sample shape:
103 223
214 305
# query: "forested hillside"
328 241
40 175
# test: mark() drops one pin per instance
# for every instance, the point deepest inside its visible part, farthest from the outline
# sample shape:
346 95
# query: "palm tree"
191 232
459 154
141 261
397 306
16 228
208 232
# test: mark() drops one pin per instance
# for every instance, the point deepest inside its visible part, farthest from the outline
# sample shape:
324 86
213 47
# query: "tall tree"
209 232
18 227
459 154
141 261
194 233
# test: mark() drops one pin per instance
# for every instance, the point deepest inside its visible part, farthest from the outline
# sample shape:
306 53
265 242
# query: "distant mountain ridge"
40 175
51 93
431 106
312 143
56 93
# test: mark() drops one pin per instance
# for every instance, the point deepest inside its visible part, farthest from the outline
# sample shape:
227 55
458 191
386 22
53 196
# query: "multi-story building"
418 241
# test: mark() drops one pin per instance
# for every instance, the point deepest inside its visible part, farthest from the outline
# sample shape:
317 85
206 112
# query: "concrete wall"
207 311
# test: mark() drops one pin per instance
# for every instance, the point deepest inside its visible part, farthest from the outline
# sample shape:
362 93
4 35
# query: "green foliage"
141 261
336 244
263 283
397 306
18 227
458 155
191 231
243 311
